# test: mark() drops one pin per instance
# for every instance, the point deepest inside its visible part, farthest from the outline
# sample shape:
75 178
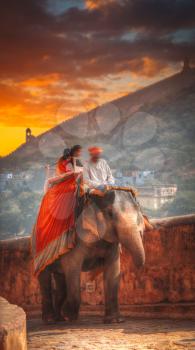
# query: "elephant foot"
49 319
113 319
60 318
73 320
69 317
48 314
70 312
63 318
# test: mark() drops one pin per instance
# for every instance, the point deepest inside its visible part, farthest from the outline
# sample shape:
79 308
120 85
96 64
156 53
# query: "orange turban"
95 150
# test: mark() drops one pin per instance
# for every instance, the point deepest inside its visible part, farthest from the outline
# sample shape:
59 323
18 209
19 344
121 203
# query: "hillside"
152 128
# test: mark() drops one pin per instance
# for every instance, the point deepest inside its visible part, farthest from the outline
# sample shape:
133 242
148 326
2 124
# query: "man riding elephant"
97 172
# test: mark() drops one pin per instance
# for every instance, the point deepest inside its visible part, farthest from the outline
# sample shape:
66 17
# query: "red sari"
54 231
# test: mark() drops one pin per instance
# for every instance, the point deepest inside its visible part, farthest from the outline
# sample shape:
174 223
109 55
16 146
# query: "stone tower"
28 135
186 65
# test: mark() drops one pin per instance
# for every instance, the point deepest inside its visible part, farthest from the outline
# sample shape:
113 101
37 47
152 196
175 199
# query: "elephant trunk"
130 236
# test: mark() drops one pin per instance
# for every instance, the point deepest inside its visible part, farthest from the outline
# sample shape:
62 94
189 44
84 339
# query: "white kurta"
97 174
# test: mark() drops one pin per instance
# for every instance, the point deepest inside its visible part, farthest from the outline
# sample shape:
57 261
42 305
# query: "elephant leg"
71 264
60 294
111 285
46 294
72 302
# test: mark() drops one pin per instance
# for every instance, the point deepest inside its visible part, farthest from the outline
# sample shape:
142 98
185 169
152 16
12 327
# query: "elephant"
105 224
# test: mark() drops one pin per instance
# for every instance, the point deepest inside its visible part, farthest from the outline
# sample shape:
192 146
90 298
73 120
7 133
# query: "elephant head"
114 217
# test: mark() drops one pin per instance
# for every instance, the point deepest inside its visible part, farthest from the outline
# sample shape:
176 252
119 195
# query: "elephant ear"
91 225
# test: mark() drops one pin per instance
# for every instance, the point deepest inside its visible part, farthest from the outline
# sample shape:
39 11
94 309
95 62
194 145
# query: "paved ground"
89 334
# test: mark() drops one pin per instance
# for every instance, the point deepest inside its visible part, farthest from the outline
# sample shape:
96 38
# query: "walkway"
89 334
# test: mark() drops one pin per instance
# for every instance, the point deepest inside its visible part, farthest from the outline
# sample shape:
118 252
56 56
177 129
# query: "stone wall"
167 277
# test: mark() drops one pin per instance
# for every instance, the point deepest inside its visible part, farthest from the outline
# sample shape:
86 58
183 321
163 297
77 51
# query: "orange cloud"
146 67
41 81
92 4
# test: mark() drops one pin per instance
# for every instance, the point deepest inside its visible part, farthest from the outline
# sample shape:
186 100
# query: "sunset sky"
61 57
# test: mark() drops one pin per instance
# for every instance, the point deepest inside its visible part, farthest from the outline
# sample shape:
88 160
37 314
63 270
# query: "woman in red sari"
54 231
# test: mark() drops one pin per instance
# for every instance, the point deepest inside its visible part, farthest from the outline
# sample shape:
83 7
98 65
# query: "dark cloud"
87 42
120 16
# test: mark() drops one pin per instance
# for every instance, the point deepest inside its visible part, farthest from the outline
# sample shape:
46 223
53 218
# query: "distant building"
186 65
154 197
19 180
133 177
29 136
5 179
168 190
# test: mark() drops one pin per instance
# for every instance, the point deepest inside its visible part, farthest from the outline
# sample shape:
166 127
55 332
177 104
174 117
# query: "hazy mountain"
153 128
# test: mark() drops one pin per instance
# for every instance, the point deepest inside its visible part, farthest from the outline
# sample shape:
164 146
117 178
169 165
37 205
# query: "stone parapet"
168 276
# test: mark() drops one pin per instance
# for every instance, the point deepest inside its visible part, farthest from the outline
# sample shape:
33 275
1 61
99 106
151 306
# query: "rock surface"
90 334
12 327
